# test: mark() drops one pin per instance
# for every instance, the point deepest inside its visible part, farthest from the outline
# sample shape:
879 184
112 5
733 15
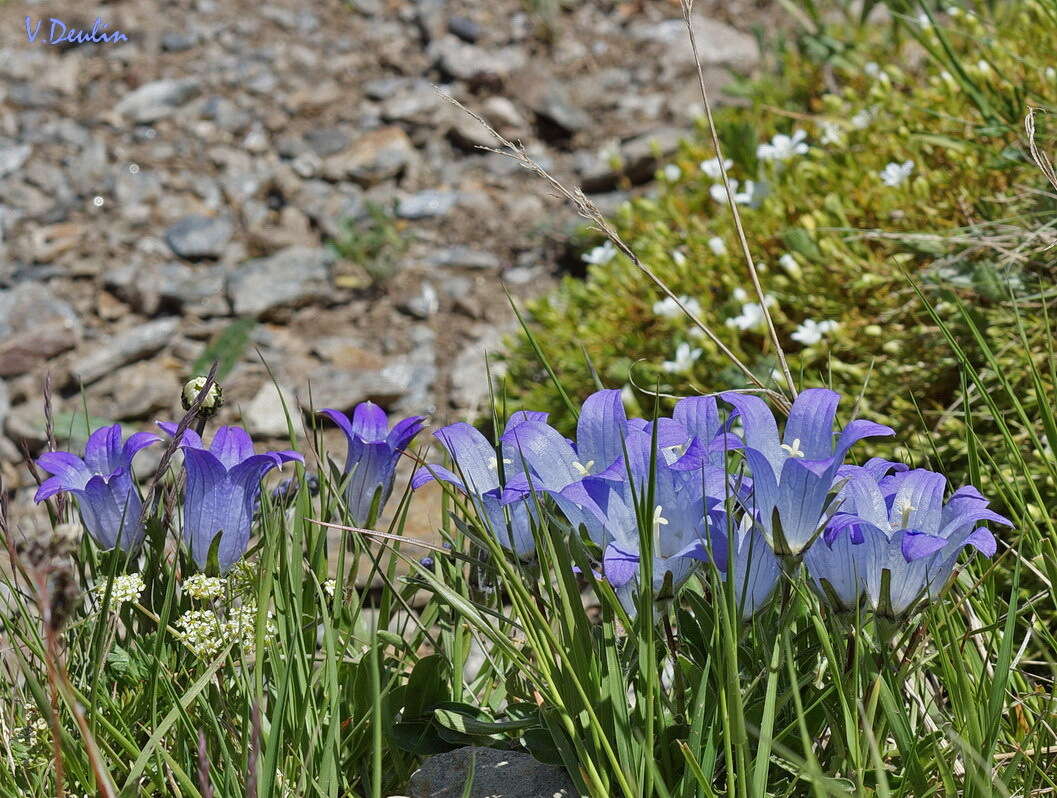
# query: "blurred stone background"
282 186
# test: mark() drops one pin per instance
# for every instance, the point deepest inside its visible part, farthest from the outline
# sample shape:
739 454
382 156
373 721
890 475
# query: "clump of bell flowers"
101 481
730 489
372 456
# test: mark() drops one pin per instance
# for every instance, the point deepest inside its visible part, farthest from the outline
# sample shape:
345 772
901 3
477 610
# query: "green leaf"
227 347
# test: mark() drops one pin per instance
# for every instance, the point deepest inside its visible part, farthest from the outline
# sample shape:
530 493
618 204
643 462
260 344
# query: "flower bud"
212 402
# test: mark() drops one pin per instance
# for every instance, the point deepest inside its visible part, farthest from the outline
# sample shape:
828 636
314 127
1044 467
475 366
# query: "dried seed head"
65 539
213 400
64 594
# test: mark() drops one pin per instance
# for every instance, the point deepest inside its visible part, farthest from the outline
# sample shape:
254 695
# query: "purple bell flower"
223 485
481 474
102 483
792 476
902 538
373 453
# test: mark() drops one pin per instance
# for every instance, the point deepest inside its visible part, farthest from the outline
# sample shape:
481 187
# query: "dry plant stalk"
688 7
589 211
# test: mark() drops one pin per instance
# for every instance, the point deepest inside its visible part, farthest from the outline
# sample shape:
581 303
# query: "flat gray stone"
459 257
155 100
496 774
124 348
12 158
427 205
289 278
194 237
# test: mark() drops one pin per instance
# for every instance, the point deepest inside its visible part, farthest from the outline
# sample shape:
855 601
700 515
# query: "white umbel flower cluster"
125 588
205 633
203 588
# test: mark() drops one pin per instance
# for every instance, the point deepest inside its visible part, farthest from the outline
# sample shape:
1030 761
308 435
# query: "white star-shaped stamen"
793 448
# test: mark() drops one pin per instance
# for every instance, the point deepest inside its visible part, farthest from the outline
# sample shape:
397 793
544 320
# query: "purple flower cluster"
723 487
223 481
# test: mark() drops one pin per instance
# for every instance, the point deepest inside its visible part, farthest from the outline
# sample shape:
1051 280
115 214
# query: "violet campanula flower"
481 472
102 484
373 452
757 568
904 538
792 476
223 485
683 511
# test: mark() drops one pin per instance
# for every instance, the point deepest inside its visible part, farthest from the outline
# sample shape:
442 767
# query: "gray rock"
495 774
423 305
153 101
343 388
5 402
638 160
468 133
427 205
123 348
30 305
463 258
463 61
465 28
178 41
137 391
327 141
718 44
501 112
12 158
430 17
195 237
289 278
146 287
554 106
376 156
225 114
416 102
369 8
469 374
35 326
265 415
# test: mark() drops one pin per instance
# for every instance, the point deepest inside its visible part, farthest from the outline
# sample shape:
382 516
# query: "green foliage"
226 348
374 242
834 242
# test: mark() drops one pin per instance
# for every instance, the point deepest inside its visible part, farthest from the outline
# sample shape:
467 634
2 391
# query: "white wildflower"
740 294
810 332
1051 73
329 586
123 589
712 169
752 315
788 262
601 254
872 68
668 308
924 21
744 197
678 258
863 119
783 147
672 172
203 588
202 632
717 246
831 132
983 66
685 357
896 173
